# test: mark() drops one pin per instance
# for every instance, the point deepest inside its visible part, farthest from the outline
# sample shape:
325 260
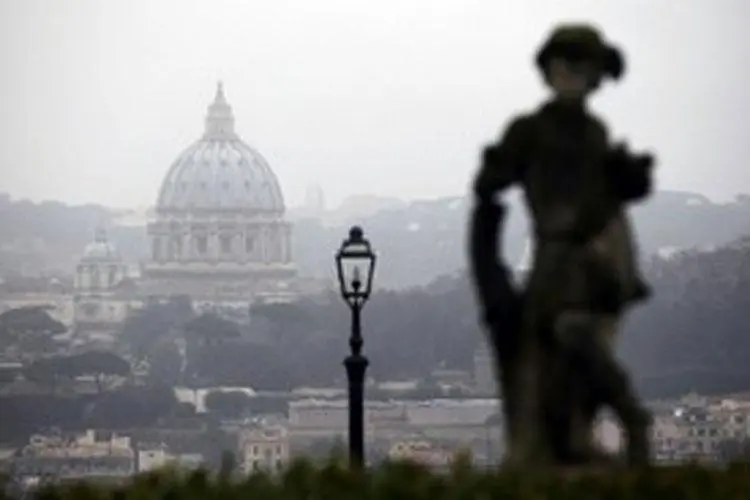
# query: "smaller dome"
100 250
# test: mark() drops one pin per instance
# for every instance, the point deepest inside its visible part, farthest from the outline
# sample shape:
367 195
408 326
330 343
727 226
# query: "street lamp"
355 266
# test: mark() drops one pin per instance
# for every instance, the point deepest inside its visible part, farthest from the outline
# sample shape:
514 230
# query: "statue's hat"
578 42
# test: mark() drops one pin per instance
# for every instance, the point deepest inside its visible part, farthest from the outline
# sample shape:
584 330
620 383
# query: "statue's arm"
502 163
630 175
499 300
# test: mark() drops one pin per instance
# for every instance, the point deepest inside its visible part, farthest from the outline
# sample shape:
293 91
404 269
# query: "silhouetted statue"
554 342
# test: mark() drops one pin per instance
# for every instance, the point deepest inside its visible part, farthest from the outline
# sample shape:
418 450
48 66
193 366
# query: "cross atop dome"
219 119
220 97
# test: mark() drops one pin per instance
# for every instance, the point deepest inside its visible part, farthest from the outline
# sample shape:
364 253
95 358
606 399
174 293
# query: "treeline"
407 335
692 335
123 408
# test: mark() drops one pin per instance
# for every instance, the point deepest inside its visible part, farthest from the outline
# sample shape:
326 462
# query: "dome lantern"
219 119
100 235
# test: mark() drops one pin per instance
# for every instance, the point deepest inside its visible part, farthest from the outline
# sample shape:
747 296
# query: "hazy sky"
391 97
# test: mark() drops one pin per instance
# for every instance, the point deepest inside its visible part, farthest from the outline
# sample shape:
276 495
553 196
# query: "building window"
278 450
226 244
201 245
279 464
156 249
112 278
249 244
255 451
95 277
175 246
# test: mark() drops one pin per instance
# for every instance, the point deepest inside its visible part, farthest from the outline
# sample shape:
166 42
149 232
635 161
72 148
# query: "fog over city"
391 99
188 190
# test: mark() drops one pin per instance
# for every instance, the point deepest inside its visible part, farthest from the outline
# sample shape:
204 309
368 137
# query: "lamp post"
355 266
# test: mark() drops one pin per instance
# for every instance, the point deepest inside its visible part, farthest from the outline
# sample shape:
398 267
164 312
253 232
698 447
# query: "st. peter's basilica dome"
219 227
219 172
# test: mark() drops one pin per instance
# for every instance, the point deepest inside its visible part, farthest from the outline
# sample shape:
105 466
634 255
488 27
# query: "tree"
209 328
241 363
29 319
98 364
145 328
165 364
211 344
129 407
24 414
30 328
231 404
692 336
50 371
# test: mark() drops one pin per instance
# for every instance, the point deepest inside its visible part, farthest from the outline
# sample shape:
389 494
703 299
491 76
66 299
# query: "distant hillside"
692 335
49 234
417 241
426 239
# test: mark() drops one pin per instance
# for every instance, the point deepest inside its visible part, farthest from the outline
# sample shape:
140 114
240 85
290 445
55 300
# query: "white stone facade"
99 303
264 448
331 415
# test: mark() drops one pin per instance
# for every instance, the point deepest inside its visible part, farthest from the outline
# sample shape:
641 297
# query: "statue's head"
575 59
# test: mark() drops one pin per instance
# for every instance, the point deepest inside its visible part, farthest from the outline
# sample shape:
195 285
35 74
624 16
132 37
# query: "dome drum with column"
220 211
219 240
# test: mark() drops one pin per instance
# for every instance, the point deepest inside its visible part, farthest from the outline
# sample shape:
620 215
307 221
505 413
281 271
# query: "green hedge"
304 481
